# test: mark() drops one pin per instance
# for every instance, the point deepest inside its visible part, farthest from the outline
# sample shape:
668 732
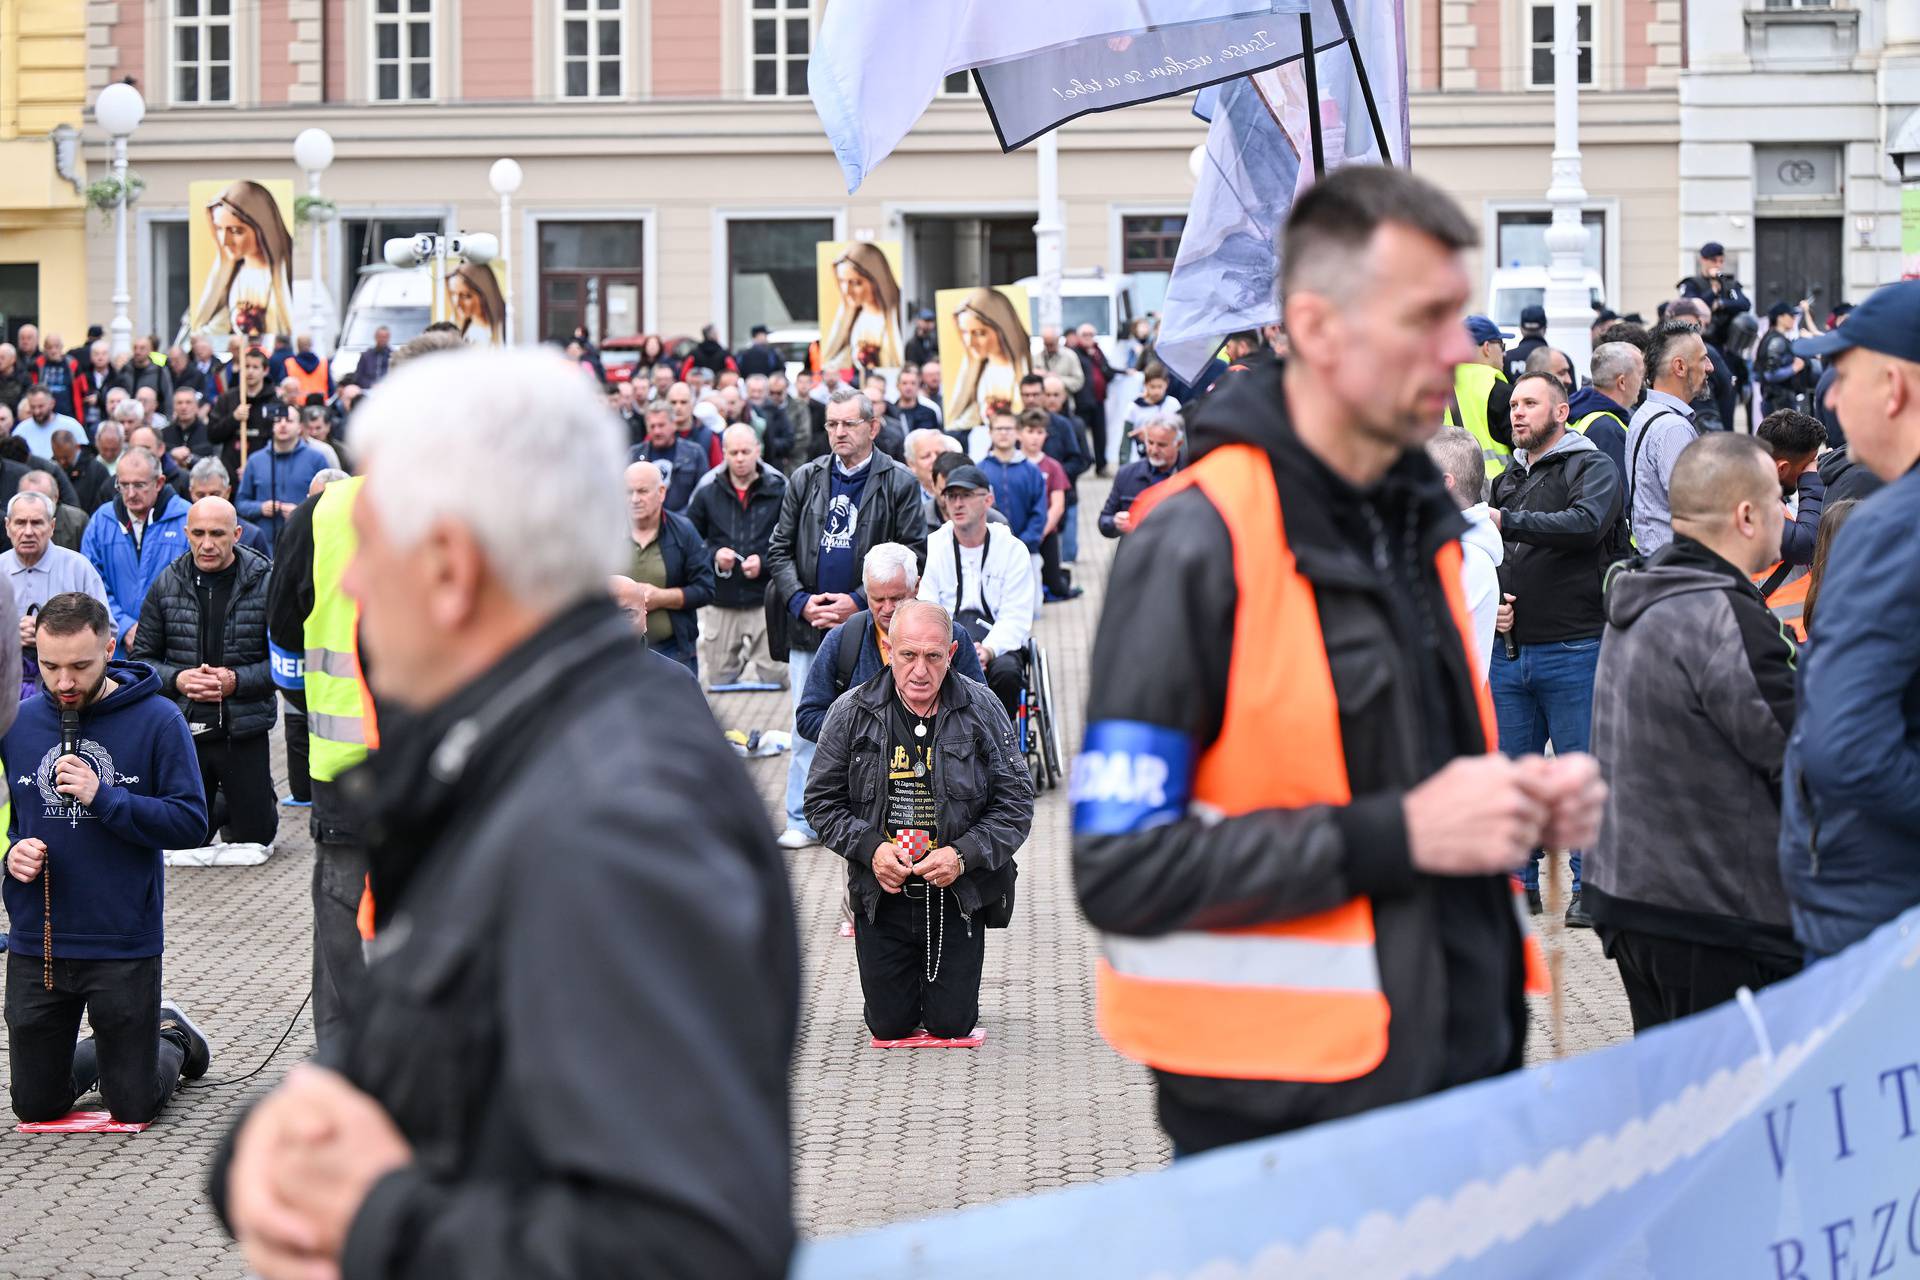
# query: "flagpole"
1049 233
1310 64
1366 85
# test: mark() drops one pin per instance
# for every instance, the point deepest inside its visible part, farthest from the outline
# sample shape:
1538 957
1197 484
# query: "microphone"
70 746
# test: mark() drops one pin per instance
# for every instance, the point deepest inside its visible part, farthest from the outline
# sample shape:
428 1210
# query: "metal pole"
506 259
316 228
1569 306
122 336
1360 74
1049 233
1310 67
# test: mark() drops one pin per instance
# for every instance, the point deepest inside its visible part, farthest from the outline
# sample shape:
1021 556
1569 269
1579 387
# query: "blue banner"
1774 1137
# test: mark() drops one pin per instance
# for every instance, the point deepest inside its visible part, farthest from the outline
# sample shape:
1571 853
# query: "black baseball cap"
757 330
1533 317
1781 308
1713 249
968 477
1887 322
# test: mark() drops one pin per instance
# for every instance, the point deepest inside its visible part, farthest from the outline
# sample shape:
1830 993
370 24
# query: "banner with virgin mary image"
859 304
985 350
240 254
473 295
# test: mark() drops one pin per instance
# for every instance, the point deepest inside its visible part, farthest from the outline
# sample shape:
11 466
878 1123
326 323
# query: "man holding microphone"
101 777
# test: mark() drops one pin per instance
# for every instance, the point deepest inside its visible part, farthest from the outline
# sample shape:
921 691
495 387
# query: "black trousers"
138 1066
892 951
1052 576
1004 677
1667 979
238 777
339 962
299 781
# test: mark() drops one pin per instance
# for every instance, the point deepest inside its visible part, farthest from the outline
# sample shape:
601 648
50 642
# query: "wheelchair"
1037 726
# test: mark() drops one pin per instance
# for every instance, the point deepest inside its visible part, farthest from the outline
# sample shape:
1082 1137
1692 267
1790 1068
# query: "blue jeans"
799 662
1544 695
688 657
1070 533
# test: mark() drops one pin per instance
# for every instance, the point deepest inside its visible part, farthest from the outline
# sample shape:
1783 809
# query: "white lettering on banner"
1117 777
1169 67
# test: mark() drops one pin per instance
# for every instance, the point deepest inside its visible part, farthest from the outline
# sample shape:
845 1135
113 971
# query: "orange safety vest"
1296 999
1788 601
311 384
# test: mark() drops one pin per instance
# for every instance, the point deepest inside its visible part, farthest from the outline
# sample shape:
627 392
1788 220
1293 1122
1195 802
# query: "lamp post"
313 151
1049 233
1569 306
119 109
504 178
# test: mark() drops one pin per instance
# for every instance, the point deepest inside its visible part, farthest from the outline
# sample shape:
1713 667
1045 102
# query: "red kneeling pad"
82 1122
921 1040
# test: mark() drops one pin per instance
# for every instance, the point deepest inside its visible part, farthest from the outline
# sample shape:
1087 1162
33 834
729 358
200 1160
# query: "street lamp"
313 151
119 109
505 178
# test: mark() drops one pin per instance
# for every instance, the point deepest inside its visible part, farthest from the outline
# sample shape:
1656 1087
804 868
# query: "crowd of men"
1314 783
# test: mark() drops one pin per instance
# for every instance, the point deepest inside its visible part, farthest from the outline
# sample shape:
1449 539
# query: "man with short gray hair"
39 569
533 720
1601 410
836 507
69 521
1161 440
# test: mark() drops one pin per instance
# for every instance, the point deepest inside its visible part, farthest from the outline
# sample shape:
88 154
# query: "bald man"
734 509
203 630
1694 703
669 564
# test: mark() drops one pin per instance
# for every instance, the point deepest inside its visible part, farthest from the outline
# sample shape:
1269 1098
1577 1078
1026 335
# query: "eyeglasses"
134 486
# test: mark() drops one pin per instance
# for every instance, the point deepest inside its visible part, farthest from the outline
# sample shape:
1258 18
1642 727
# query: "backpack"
852 642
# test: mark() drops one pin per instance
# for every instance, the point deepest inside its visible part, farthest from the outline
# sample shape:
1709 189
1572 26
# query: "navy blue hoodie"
108 878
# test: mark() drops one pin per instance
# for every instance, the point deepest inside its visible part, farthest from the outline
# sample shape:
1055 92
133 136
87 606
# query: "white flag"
1259 157
877 64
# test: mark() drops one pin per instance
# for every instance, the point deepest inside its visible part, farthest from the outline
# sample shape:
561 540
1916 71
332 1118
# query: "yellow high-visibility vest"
339 722
1471 385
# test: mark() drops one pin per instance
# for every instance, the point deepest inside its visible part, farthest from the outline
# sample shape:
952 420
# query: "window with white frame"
1540 44
779 38
402 50
201 47
593 38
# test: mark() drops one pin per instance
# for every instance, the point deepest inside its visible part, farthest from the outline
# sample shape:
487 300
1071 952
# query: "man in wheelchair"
983 575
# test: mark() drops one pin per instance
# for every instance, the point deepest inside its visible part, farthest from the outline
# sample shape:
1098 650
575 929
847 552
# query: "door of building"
1798 258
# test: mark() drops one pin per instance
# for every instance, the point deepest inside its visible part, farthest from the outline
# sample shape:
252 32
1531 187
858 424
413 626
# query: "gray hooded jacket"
1693 703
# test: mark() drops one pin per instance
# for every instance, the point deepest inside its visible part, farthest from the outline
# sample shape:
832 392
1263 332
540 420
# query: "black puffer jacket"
722 520
169 639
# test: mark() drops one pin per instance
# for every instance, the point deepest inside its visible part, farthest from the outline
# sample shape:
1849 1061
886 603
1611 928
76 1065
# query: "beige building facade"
675 172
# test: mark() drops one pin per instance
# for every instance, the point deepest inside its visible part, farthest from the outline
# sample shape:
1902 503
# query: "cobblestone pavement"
879 1135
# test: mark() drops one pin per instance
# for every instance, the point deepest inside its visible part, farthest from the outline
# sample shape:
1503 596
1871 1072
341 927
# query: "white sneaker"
794 838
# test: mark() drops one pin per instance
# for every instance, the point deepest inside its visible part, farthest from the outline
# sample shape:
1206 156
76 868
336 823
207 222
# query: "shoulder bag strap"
852 641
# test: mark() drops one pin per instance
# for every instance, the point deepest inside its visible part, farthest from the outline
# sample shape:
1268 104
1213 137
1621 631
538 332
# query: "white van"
402 300
1086 297
1514 288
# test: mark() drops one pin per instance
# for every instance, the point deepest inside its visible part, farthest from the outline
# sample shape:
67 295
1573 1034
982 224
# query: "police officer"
1299 851
1480 394
1533 336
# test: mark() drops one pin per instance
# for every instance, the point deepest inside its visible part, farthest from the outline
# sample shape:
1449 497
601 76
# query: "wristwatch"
960 858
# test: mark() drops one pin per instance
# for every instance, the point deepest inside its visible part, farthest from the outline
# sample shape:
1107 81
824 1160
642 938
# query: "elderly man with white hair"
923 445
38 568
578 910
1161 439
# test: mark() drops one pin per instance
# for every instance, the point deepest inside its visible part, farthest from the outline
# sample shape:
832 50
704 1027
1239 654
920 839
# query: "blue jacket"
108 884
128 573
817 698
272 476
1020 492
1850 813
682 469
689 569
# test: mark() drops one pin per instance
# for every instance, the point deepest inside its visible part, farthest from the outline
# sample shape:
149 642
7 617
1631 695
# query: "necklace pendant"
919 731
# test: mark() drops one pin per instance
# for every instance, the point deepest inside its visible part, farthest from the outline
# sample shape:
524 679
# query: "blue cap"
925 314
1481 329
1887 322
1713 249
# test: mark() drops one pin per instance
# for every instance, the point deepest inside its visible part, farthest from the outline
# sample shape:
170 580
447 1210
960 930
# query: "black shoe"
1534 906
1103 471
86 1067
199 1053
1577 917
